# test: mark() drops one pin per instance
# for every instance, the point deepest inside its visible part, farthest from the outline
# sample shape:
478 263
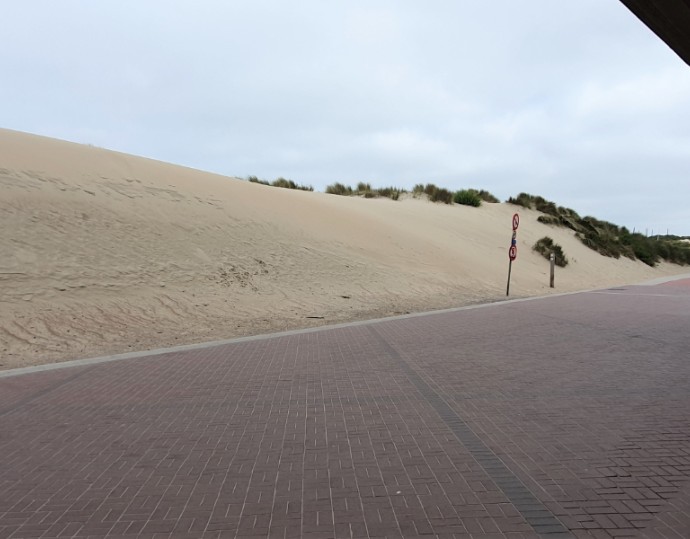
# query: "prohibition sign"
516 221
512 252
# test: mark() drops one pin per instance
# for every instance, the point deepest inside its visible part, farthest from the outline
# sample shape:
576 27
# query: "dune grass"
365 190
254 179
545 246
435 193
438 194
280 182
289 184
468 197
486 196
607 238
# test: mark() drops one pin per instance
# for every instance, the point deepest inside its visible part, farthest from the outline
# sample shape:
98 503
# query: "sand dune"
103 252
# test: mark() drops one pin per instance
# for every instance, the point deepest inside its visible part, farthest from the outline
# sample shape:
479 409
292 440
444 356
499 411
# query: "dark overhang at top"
668 19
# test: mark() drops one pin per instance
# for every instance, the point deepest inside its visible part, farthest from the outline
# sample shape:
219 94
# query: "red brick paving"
561 417
678 282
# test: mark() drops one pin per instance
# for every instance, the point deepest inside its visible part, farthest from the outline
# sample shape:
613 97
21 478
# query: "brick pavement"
560 417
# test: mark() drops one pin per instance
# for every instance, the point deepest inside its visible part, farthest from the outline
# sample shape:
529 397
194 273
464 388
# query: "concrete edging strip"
209 344
183 348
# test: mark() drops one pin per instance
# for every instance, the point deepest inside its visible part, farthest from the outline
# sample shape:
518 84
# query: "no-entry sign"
512 251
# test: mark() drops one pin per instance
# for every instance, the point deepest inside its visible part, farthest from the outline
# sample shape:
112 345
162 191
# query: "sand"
103 253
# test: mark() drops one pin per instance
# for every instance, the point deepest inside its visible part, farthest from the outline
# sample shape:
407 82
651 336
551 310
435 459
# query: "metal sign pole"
512 252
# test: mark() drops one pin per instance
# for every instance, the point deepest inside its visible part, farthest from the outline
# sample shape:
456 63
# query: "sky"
578 102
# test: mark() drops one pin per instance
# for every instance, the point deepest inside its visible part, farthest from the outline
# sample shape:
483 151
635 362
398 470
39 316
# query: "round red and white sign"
516 221
512 252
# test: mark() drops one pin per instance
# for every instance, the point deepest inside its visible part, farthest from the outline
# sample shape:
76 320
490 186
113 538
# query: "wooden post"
510 266
552 260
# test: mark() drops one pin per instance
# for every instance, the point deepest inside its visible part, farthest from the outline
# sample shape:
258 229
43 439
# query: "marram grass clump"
338 188
289 184
435 193
280 182
545 246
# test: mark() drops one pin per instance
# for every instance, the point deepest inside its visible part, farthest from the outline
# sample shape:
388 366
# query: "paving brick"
562 417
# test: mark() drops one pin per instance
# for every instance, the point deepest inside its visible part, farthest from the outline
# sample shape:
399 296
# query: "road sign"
512 251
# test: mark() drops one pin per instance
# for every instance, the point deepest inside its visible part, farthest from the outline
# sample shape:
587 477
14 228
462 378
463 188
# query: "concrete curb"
664 280
209 344
183 348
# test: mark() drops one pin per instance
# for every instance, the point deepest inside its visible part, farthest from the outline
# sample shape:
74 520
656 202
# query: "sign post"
512 252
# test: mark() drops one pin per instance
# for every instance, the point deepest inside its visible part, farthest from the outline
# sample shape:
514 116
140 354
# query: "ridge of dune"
103 252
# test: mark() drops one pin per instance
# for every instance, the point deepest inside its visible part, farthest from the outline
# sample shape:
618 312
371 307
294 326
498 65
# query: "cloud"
578 102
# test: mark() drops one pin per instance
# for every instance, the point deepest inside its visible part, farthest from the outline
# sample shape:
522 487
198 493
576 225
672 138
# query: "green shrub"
643 247
545 246
468 197
678 252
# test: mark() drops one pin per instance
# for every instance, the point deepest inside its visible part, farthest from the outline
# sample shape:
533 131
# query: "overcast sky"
574 100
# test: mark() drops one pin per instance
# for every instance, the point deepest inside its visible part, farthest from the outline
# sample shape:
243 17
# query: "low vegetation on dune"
365 190
545 246
281 182
607 238
467 197
339 189
435 193
486 196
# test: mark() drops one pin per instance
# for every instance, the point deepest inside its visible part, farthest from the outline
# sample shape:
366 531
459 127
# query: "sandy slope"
103 252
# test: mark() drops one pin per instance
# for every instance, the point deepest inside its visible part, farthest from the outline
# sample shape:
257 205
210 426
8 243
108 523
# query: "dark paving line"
537 515
44 391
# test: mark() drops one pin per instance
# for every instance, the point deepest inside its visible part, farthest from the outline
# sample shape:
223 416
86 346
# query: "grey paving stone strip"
537 515
667 279
198 346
